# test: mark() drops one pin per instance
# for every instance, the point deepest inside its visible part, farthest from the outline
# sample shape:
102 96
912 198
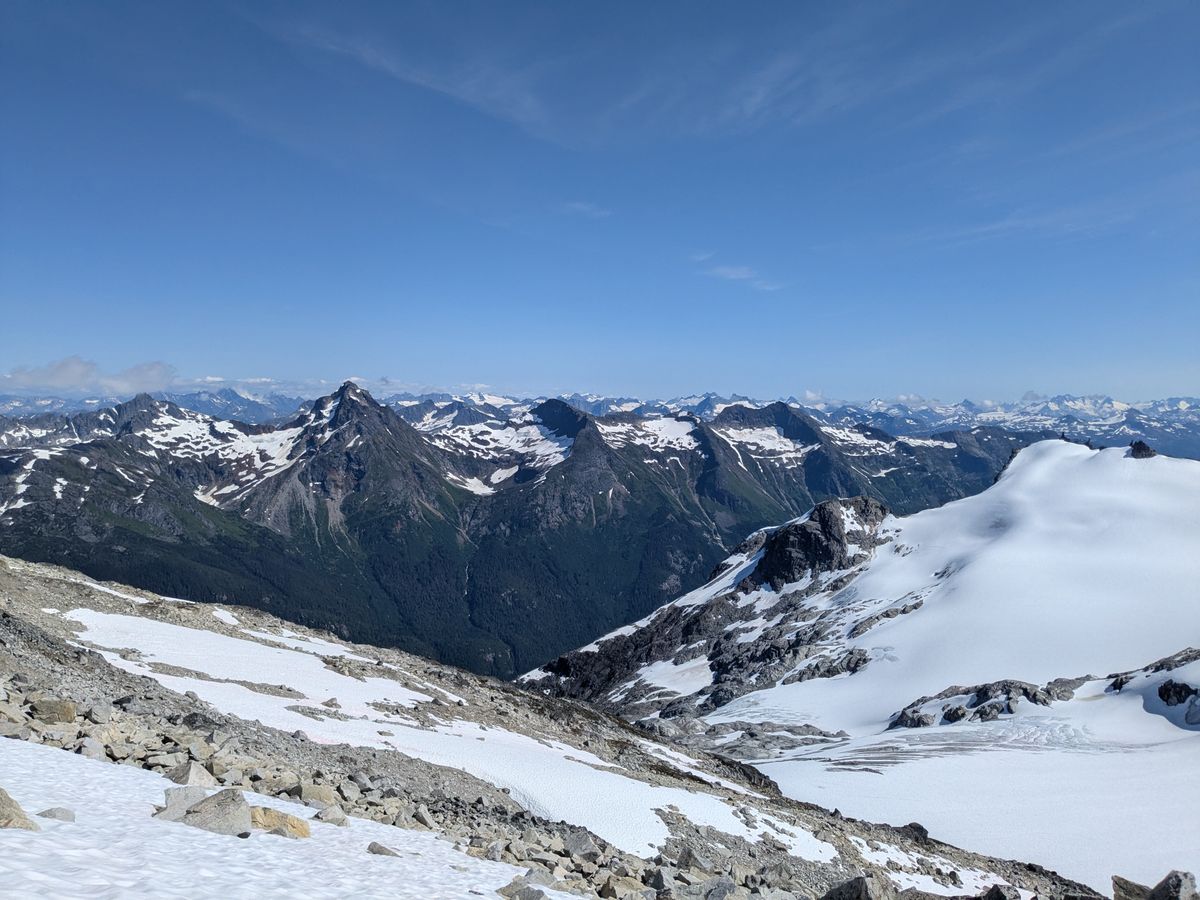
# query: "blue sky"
937 198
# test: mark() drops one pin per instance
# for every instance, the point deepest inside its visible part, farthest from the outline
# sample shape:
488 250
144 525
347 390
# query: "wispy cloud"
587 210
497 88
744 274
1097 215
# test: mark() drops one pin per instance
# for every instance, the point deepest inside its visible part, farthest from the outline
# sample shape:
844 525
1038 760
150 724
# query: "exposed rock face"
819 542
1141 450
788 565
1173 693
1176 886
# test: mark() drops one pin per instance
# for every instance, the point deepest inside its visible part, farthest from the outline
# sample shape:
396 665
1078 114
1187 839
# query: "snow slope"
1075 563
547 777
115 849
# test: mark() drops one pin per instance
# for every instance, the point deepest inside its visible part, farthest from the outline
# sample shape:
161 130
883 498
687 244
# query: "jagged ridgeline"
492 539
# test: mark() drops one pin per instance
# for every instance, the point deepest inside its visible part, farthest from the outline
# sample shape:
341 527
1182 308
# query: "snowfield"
1076 563
115 849
237 674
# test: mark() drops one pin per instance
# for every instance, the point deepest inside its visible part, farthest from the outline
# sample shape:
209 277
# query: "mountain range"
487 534
1171 424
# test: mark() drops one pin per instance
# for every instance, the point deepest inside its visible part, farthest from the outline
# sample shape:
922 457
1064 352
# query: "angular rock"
379 850
865 887
580 845
225 812
1002 892
12 816
54 709
661 878
318 794
520 889
183 797
1176 886
16 730
166 760
92 748
1124 889
275 821
423 816
333 815
61 813
690 859
191 773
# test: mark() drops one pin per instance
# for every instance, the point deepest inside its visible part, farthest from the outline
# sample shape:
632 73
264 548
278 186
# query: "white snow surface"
656 433
1077 562
766 443
546 776
115 849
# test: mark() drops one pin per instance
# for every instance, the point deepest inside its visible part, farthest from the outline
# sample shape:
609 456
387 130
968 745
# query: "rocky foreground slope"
554 797
1031 647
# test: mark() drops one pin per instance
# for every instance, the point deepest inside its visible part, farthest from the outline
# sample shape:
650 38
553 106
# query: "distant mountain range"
482 531
1172 424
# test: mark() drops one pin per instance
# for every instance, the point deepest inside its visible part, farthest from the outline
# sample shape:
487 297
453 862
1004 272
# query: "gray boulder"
332 815
61 813
865 887
225 812
580 845
91 748
54 709
380 850
190 773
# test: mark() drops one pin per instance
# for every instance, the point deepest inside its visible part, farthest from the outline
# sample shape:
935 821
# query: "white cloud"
76 375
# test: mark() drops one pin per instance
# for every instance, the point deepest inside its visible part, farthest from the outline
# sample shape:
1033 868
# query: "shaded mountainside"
493 541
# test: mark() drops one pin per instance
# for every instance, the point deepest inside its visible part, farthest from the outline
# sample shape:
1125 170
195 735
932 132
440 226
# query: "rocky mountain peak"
561 418
833 536
140 412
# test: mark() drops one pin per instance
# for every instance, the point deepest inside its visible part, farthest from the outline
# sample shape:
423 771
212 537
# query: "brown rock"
12 816
273 820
